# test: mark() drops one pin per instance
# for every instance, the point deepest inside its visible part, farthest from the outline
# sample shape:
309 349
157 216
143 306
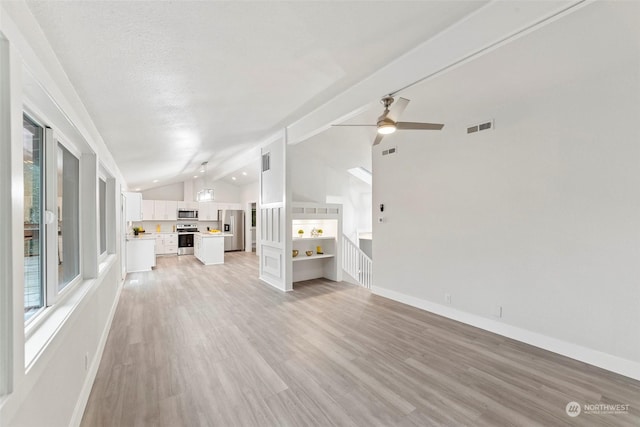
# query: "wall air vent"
266 162
480 126
389 151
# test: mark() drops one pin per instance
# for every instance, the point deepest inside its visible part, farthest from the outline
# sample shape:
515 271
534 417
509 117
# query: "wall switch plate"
447 298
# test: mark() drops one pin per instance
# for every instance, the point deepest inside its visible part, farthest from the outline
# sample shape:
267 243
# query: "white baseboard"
597 358
272 284
83 398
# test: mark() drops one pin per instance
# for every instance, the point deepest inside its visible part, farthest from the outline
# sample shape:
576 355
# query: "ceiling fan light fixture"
386 128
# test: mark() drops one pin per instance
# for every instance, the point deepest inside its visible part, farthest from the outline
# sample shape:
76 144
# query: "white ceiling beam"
488 28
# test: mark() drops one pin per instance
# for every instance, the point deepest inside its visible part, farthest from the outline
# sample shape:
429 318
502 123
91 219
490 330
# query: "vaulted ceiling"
170 85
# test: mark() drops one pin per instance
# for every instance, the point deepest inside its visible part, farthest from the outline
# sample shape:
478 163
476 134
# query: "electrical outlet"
447 298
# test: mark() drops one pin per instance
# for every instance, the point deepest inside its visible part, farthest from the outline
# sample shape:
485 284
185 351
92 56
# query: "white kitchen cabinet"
141 254
208 211
167 244
187 205
209 249
133 204
148 210
204 209
159 210
165 210
171 243
197 245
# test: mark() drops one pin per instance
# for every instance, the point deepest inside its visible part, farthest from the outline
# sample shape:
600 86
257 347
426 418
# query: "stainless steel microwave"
190 214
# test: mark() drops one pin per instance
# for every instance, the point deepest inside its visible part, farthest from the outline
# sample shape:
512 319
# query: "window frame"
102 255
51 293
38 314
57 292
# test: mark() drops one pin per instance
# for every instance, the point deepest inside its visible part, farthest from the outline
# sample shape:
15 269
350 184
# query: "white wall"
165 192
250 192
540 216
275 234
222 191
54 387
314 180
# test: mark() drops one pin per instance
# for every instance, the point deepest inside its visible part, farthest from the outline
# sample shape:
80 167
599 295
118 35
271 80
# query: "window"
68 204
51 175
33 171
103 215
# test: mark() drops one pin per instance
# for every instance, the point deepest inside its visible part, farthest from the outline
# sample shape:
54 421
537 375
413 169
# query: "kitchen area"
204 230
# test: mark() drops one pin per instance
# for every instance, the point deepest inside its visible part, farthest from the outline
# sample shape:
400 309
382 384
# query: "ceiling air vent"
389 151
480 127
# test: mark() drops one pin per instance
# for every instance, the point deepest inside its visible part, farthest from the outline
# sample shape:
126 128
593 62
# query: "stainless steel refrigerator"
232 221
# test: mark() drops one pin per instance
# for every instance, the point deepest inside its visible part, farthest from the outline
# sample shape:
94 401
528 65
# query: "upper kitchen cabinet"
208 211
187 205
148 210
159 210
133 204
166 210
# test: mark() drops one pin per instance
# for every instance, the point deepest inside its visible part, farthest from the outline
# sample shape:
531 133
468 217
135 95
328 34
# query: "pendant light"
206 194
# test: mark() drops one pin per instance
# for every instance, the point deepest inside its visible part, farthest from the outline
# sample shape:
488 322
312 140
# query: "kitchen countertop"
206 234
148 235
141 236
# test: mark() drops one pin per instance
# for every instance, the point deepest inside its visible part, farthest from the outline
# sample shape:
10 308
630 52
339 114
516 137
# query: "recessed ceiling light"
155 180
195 176
233 178
138 189
202 170
244 173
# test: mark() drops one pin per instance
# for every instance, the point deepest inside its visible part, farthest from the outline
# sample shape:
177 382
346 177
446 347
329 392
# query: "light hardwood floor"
211 346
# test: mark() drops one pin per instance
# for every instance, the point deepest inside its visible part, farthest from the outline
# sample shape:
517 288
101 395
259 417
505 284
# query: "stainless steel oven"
185 238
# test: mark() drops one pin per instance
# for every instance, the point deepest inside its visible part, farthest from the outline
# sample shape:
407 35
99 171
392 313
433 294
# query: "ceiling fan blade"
419 126
397 108
351 125
378 139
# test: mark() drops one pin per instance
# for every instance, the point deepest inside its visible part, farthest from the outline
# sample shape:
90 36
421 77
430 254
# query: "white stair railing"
356 263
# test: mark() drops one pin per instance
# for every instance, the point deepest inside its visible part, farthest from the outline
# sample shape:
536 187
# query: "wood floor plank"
193 345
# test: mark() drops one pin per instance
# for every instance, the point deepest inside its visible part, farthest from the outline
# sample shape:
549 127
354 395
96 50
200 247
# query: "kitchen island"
209 247
141 253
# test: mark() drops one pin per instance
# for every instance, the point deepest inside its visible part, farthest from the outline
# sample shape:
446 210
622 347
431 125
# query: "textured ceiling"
172 84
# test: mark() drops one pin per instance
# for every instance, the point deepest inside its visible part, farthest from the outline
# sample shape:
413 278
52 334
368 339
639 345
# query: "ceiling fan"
388 121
